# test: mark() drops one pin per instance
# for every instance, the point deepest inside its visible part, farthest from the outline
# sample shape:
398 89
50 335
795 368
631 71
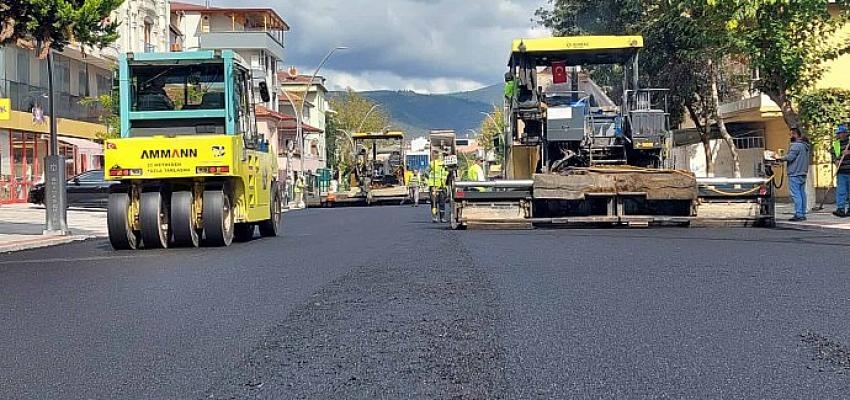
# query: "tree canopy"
46 24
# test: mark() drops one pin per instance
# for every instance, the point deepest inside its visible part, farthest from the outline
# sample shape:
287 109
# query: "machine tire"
154 220
271 226
183 219
218 219
244 232
121 233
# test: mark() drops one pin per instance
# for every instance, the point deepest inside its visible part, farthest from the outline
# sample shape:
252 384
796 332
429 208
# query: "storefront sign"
5 109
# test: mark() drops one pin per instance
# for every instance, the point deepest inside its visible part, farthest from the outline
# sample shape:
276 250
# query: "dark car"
88 189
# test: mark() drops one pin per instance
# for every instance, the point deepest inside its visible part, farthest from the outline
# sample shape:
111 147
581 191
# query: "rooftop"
254 16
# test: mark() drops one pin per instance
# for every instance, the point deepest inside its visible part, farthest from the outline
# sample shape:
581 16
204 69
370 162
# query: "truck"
191 165
575 154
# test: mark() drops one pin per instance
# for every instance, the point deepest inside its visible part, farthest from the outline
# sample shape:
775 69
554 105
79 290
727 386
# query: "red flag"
559 72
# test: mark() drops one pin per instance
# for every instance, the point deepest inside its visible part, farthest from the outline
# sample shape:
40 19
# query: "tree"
492 127
685 53
108 115
46 24
353 112
788 42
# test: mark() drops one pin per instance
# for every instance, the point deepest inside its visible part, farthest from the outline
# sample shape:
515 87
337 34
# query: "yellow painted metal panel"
5 109
161 157
568 43
67 127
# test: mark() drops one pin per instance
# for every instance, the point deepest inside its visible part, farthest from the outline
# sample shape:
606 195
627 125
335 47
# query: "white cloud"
422 45
382 80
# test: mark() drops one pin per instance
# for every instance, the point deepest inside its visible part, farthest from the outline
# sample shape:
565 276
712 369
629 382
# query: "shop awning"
84 146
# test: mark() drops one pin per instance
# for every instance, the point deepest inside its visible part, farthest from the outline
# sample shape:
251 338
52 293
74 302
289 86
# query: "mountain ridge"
418 113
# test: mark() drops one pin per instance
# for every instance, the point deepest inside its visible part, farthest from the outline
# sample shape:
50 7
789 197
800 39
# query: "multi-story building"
144 27
255 34
315 108
24 135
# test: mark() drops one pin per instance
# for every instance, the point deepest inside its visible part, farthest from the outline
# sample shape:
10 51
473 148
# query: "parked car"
88 189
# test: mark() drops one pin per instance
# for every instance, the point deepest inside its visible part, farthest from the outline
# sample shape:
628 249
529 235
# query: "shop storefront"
22 158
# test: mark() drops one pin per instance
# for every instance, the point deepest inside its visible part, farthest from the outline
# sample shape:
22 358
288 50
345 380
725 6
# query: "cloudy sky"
430 46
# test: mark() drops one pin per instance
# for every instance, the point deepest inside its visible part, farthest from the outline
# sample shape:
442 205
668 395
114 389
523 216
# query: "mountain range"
417 113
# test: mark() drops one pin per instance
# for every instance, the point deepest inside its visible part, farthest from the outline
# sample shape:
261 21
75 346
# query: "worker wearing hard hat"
437 176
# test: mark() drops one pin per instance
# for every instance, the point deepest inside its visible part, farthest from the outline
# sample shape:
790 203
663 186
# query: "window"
62 69
23 67
104 84
91 176
43 76
184 87
83 88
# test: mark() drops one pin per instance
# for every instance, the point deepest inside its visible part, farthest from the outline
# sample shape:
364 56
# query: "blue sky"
430 46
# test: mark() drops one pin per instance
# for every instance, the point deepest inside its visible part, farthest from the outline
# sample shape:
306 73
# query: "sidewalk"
815 220
21 227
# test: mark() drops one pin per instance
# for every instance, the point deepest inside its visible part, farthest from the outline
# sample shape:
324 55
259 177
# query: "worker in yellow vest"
475 173
437 176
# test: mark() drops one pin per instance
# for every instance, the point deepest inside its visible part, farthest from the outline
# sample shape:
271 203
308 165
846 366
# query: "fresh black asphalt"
374 303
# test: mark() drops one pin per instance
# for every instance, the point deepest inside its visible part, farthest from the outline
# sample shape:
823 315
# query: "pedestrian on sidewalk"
841 156
798 160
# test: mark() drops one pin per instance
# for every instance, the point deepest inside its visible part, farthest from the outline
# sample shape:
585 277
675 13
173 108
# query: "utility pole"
55 198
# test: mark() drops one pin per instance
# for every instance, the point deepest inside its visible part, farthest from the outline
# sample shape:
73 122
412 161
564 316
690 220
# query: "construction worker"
413 182
437 176
841 156
475 173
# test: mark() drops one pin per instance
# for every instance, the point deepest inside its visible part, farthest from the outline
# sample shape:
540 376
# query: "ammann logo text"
173 153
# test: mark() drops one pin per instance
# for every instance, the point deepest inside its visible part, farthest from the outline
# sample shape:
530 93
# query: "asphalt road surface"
378 303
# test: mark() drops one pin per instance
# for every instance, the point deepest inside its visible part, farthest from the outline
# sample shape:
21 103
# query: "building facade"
24 135
316 106
255 34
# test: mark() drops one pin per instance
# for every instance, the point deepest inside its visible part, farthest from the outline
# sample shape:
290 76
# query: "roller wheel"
218 219
119 224
183 219
153 218
271 226
244 232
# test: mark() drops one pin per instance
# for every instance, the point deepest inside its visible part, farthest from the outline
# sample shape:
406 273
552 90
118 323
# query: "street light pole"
359 127
299 125
55 199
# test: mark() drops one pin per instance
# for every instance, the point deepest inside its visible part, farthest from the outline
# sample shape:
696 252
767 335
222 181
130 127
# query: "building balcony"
242 40
24 97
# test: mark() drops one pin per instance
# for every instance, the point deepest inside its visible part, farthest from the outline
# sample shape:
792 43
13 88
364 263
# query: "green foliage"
788 41
108 114
491 128
56 23
821 111
352 113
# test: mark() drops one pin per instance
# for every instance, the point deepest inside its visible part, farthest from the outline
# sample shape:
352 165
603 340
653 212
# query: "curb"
809 227
39 241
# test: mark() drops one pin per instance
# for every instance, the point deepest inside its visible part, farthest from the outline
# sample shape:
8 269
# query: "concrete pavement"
815 220
22 226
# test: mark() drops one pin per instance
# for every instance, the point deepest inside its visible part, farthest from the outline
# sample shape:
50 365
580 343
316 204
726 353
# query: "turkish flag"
559 72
